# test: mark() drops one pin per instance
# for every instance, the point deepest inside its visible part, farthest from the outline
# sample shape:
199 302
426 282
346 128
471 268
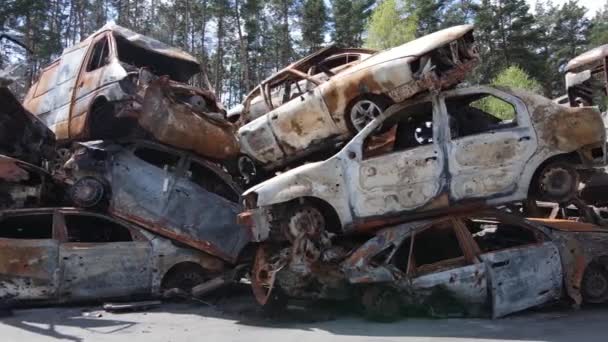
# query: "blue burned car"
168 191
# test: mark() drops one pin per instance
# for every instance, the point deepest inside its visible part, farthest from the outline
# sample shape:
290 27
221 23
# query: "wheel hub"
363 112
558 183
307 221
596 284
87 192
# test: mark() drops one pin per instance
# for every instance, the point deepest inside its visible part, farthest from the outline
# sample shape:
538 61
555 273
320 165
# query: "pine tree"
388 26
314 24
599 29
428 12
349 21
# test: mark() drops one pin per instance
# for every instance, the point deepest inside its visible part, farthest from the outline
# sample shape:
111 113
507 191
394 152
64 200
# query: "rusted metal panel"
105 270
179 125
28 269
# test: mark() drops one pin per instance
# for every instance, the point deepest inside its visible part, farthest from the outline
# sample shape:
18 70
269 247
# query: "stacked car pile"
163 207
367 172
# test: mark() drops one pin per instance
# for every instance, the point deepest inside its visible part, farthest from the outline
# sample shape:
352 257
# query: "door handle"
524 138
500 264
428 159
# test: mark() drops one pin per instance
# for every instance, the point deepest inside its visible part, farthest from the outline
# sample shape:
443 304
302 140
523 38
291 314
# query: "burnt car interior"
491 235
31 226
160 64
94 229
479 113
411 127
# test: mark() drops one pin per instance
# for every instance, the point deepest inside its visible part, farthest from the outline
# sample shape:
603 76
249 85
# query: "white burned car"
64 255
318 102
471 146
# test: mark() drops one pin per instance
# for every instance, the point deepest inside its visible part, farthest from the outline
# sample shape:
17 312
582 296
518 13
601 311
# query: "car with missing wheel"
466 147
471 264
67 255
297 114
171 192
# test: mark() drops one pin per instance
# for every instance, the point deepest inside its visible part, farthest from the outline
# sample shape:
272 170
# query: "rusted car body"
170 192
324 112
108 86
437 152
478 263
24 185
587 77
66 254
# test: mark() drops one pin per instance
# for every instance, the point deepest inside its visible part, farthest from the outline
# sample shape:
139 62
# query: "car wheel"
595 284
184 278
265 291
557 182
87 192
362 112
304 219
381 304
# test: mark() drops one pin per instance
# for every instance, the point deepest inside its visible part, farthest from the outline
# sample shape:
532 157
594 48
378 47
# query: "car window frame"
521 111
179 167
464 242
136 236
216 170
55 233
540 236
359 140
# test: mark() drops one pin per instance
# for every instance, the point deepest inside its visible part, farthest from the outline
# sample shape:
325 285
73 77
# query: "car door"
102 258
491 140
400 166
524 269
143 177
443 265
28 256
89 79
202 210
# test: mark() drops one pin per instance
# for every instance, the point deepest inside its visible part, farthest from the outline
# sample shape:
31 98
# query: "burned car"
476 146
24 185
168 191
117 83
468 264
586 78
67 254
314 114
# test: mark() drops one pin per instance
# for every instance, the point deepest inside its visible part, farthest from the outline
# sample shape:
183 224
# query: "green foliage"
314 24
349 21
511 77
388 28
599 29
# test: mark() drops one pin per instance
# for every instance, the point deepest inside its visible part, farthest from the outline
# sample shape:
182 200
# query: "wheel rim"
307 221
363 112
87 192
596 284
558 183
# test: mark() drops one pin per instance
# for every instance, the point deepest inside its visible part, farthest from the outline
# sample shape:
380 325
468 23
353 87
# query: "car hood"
23 135
417 47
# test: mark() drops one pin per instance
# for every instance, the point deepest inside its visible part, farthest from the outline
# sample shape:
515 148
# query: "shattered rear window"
93 229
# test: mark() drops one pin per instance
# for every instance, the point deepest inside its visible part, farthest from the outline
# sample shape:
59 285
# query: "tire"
362 111
594 287
381 304
557 182
88 192
184 277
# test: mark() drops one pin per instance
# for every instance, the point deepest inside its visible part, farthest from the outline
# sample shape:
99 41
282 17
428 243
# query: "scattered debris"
131 306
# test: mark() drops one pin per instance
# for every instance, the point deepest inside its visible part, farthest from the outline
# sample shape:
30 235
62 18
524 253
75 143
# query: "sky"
591 5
